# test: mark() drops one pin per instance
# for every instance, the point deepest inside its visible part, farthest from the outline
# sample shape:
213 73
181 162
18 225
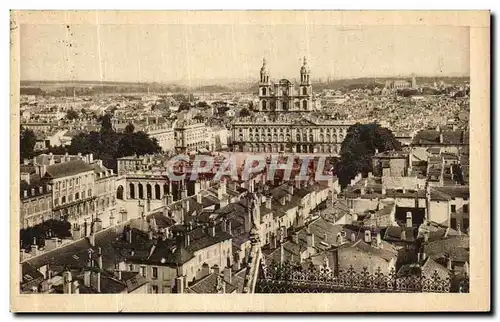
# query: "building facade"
190 136
299 135
284 96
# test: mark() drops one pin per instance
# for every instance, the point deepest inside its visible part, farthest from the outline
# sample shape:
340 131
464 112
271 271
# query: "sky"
186 53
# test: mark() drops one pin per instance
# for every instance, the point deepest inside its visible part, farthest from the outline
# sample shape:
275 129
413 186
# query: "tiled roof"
67 169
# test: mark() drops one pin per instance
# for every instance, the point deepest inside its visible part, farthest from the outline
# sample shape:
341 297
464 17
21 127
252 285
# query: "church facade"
285 96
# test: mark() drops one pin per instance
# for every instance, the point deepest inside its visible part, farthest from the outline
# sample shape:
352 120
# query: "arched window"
119 193
157 191
304 105
264 104
264 92
304 91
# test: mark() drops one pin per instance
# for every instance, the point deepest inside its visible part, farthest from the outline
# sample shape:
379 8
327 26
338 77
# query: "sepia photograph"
249 153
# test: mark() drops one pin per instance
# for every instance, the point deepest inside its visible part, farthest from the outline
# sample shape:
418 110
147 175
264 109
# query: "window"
453 208
63 199
77 196
143 271
56 202
466 209
155 273
453 223
154 289
83 194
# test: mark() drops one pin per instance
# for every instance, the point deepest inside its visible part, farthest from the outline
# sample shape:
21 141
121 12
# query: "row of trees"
106 145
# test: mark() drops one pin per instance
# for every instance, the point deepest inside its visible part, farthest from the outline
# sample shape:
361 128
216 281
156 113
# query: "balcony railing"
291 278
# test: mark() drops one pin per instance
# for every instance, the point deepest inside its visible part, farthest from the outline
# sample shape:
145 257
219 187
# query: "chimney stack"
99 258
67 282
268 203
86 278
368 236
228 274
409 221
229 228
295 238
179 285
353 237
310 240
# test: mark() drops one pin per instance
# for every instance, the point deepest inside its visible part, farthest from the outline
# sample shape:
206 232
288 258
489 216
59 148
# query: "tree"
129 128
27 140
244 112
72 115
184 106
358 148
106 124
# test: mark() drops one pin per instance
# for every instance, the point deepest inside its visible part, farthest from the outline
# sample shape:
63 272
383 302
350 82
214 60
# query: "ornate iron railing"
291 278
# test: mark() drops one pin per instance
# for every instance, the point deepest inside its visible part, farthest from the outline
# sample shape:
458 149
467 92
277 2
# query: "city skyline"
143 53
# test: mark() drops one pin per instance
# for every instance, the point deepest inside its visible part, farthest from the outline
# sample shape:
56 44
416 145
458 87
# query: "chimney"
376 151
91 239
129 236
325 237
459 229
353 237
99 258
295 238
368 236
297 184
340 237
67 282
379 240
310 240
403 233
229 228
205 270
273 241
199 198
118 274
449 263
409 222
179 285
96 281
25 193
248 223
75 287
441 139
268 203
211 231
187 240
384 190
290 189
228 274
283 200
215 269
86 278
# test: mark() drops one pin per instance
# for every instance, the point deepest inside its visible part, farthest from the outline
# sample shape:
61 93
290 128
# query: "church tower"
305 90
264 88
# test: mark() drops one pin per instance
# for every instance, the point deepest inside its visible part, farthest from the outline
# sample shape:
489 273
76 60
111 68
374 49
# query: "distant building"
284 96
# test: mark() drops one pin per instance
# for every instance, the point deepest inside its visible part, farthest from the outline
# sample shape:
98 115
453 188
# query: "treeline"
106 145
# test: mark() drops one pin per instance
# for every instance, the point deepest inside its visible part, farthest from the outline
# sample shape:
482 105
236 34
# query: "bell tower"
264 88
305 90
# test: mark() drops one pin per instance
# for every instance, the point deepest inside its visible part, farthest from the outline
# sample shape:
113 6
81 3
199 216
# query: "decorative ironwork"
293 278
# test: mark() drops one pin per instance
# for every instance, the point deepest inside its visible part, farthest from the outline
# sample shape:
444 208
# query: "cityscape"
298 175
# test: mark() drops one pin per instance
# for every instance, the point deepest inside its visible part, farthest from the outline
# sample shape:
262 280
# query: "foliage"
358 148
244 112
27 139
47 229
71 114
184 106
108 145
129 128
